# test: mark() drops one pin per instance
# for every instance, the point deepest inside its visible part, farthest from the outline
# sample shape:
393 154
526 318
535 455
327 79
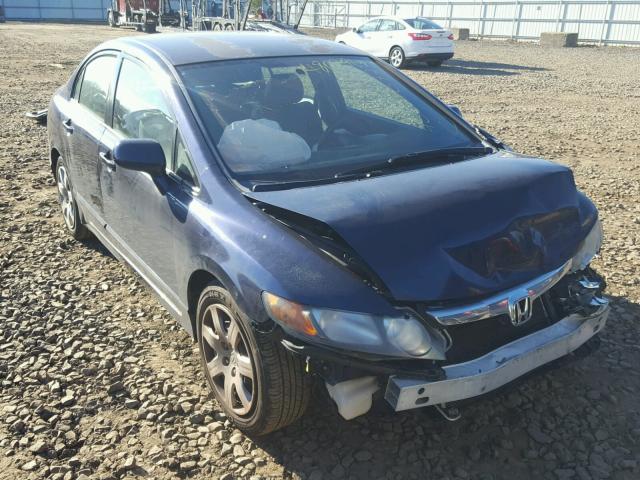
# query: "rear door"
84 122
388 36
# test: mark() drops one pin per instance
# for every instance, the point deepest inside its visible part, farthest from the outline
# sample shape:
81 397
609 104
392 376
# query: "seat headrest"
283 89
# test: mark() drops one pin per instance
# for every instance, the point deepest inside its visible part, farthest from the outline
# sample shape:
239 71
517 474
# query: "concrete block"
460 33
558 39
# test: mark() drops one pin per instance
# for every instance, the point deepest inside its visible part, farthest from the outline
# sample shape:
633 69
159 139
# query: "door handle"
68 126
106 159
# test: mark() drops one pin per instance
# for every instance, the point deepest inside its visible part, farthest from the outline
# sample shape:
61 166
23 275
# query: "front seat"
282 103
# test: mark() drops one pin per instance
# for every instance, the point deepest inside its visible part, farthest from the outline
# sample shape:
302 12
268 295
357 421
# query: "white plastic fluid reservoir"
353 397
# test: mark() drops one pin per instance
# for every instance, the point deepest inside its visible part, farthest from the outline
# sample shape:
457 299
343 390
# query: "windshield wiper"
415 158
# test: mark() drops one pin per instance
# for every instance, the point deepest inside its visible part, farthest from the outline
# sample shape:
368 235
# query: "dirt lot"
98 382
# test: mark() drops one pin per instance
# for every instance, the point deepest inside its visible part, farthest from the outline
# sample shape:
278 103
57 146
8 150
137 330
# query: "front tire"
397 58
68 203
260 386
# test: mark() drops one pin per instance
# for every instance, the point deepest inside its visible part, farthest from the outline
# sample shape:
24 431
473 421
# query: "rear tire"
68 203
260 385
397 58
149 28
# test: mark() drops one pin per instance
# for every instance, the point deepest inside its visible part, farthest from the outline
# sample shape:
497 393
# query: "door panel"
84 163
139 216
83 122
385 37
138 209
365 37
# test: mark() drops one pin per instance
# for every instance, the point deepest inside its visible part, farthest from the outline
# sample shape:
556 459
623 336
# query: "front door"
138 210
364 38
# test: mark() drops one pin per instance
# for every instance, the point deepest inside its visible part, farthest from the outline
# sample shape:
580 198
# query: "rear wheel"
68 204
260 386
396 57
149 28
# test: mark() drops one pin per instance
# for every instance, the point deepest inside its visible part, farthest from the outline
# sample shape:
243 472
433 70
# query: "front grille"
472 340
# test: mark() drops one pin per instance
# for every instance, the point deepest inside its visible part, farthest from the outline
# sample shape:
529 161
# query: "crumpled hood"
453 231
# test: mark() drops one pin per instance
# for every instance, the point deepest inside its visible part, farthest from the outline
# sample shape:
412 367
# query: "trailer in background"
143 15
234 15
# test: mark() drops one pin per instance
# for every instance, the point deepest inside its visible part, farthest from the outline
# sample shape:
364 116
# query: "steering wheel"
324 136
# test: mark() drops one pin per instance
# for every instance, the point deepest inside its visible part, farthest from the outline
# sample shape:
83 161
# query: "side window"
370 26
93 90
399 26
183 167
387 26
140 109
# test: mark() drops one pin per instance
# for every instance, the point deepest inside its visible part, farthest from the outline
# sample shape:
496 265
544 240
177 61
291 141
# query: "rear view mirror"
455 109
142 155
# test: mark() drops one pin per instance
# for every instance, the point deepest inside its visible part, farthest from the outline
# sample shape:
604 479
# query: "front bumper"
499 367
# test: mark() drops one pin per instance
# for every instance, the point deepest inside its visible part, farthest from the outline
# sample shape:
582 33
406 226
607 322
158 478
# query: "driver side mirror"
455 109
140 154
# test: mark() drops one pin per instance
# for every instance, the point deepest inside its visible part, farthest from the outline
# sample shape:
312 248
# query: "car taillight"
450 37
420 36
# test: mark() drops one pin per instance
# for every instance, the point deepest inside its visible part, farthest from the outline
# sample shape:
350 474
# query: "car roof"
198 47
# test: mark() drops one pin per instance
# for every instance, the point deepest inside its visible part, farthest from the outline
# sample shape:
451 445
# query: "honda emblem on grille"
521 311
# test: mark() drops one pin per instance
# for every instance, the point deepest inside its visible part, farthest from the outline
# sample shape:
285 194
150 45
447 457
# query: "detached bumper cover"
499 367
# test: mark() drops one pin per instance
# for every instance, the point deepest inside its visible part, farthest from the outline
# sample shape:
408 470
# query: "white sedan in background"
402 40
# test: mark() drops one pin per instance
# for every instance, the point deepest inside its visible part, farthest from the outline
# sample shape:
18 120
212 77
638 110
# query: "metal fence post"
450 13
604 22
612 14
348 20
516 19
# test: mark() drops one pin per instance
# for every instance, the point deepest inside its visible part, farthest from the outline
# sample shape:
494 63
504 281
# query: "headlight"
589 247
395 336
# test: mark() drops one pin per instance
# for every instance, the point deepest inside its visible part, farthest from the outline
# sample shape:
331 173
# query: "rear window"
423 24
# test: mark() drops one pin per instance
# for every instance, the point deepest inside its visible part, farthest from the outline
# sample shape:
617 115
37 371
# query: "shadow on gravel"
469 67
94 244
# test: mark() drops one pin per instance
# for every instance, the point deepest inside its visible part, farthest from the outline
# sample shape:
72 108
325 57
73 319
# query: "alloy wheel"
228 359
67 201
396 57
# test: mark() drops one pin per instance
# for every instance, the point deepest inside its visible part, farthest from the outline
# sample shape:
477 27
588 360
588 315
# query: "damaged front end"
475 348
480 356
489 353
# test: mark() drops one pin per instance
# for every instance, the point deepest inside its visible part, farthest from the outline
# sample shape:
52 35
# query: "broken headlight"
399 336
589 247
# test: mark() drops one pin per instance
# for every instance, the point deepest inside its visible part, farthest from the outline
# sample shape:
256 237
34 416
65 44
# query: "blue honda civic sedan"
307 211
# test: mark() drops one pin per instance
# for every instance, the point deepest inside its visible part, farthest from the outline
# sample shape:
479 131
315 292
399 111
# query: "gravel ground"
98 382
